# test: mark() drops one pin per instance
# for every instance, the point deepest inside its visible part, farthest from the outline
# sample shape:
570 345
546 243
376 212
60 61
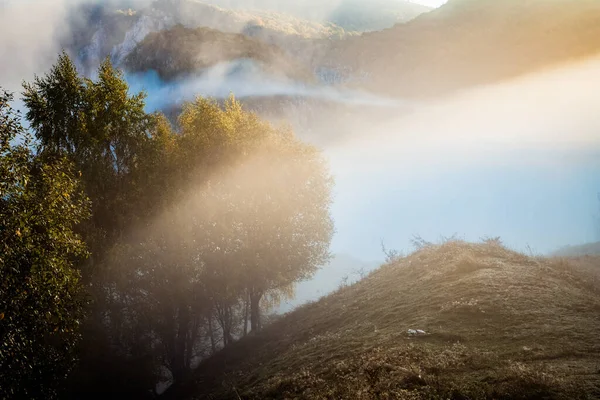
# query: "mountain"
462 44
470 42
496 324
181 51
99 30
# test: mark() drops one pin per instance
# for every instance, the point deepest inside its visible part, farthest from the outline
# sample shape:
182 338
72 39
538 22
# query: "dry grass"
502 325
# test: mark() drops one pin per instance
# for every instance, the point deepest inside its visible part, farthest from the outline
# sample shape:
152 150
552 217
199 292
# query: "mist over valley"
248 199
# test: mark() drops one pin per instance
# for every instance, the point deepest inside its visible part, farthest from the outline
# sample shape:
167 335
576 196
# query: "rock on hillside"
499 325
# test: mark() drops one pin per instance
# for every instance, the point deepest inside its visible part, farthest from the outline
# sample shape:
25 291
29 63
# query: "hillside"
499 325
470 42
180 51
114 29
462 44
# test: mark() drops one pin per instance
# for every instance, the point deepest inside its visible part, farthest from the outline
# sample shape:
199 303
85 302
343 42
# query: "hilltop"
499 325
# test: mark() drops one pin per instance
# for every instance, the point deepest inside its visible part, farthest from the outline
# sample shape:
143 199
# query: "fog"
29 38
518 159
245 79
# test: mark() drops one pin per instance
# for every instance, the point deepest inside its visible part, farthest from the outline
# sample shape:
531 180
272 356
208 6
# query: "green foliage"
271 191
187 228
245 213
100 128
115 146
40 295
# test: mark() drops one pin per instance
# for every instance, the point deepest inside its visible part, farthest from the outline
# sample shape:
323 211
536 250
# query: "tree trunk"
246 314
255 311
227 325
211 333
179 367
191 341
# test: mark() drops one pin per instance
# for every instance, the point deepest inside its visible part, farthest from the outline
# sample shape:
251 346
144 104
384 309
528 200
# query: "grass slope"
501 325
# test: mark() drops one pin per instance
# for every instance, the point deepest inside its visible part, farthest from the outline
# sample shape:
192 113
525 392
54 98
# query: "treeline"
131 247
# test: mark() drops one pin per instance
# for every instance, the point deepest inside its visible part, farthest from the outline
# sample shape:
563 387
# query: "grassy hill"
499 325
470 42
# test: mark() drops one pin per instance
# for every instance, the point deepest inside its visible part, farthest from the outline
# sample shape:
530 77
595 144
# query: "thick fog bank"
518 160
244 78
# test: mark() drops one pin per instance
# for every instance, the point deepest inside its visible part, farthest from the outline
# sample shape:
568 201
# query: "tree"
189 230
268 193
117 147
248 216
40 295
99 127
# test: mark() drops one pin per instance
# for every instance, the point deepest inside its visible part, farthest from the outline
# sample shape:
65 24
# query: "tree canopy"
41 300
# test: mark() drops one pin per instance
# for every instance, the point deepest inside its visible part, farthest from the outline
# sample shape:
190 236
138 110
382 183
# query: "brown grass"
502 326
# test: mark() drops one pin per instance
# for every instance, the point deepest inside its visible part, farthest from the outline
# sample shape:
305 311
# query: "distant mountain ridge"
181 51
98 30
465 43
114 29
462 44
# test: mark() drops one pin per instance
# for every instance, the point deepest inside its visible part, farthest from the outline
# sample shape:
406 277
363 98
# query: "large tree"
117 148
40 294
249 215
102 129
265 194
